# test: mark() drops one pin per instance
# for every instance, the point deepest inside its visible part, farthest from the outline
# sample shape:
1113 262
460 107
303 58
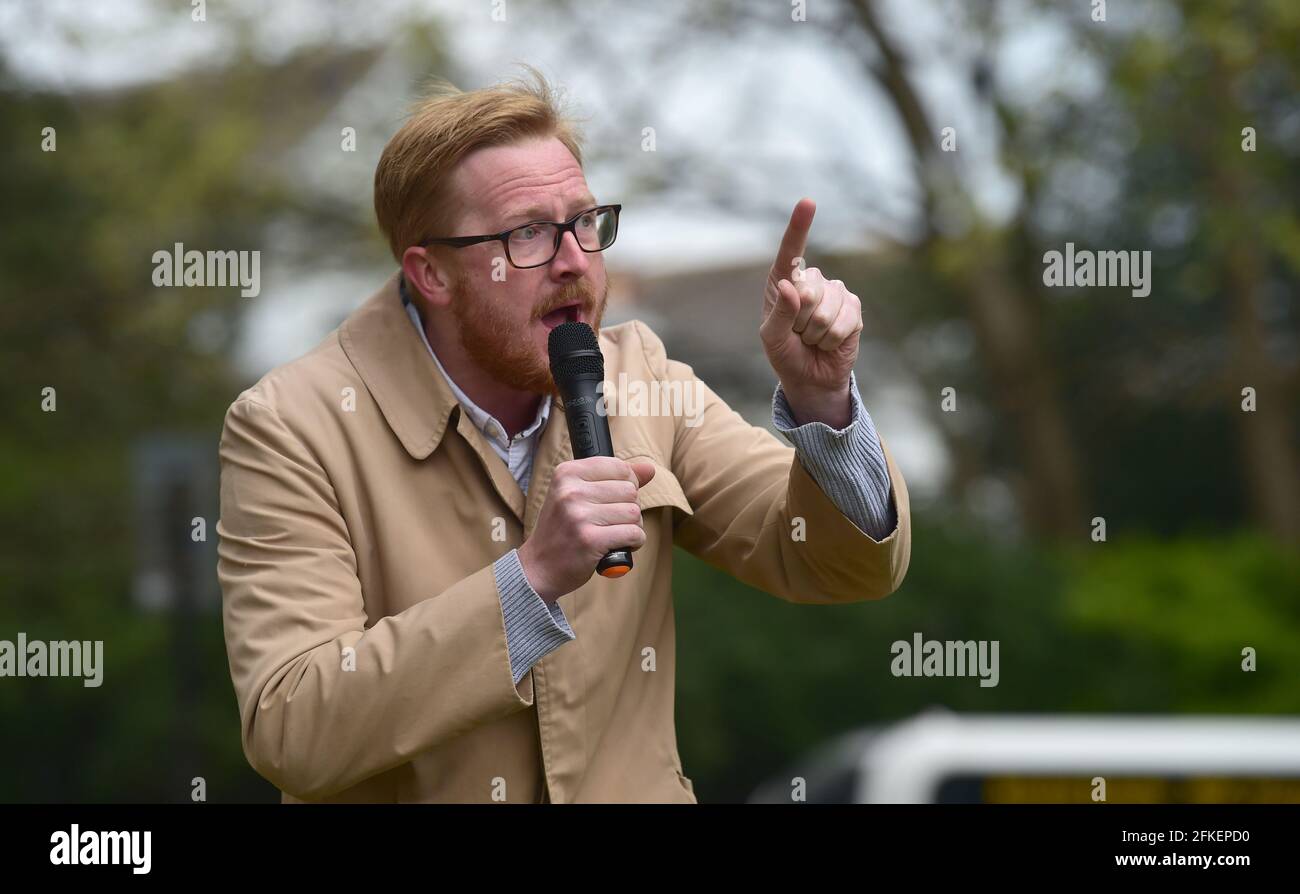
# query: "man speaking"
408 547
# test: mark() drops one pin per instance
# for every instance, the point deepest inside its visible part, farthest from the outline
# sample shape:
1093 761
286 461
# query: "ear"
427 275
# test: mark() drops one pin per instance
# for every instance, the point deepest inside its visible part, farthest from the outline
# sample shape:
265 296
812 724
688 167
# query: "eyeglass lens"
537 243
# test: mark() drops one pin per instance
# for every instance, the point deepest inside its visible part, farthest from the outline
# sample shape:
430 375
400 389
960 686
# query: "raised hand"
810 328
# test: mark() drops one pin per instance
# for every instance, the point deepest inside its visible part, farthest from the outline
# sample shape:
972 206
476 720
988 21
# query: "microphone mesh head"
574 350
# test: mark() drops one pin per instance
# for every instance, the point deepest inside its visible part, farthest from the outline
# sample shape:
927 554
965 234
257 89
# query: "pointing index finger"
795 240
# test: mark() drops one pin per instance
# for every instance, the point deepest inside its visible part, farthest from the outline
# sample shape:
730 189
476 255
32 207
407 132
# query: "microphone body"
578 368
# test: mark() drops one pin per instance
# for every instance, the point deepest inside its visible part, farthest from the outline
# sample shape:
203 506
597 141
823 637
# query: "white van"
944 757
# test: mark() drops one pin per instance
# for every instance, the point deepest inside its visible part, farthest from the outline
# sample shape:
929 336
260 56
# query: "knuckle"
571 511
588 537
564 491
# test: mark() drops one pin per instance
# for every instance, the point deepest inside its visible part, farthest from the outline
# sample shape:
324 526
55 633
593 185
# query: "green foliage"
133 172
1185 610
143 734
1126 626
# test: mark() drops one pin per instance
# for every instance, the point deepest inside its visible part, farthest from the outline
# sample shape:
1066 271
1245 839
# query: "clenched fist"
590 509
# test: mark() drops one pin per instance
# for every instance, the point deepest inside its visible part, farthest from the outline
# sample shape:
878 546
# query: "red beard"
510 355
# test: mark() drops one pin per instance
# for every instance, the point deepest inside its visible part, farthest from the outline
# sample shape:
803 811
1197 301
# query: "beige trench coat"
360 514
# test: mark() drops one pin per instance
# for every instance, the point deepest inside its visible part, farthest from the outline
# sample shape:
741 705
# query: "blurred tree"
1211 180
132 171
1085 403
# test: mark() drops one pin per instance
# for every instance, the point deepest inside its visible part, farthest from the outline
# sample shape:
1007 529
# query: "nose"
570 262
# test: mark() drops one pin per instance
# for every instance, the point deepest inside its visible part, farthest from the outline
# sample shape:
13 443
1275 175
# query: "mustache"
581 295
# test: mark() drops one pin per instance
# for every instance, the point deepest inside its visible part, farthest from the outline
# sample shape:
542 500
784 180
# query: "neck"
514 409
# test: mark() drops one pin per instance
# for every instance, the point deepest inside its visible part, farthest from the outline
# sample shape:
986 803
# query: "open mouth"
569 313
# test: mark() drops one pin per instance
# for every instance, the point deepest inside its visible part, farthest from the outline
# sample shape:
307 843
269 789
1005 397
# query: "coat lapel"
411 392
553 449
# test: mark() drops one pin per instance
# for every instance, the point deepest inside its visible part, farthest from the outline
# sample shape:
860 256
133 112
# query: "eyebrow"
534 213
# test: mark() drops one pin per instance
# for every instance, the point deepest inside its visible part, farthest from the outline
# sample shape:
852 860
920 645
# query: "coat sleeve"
758 514
326 702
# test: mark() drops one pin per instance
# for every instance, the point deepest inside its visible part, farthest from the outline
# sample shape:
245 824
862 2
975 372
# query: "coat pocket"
663 490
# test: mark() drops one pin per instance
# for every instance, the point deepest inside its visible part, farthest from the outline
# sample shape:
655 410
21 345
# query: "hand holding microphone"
590 510
590 519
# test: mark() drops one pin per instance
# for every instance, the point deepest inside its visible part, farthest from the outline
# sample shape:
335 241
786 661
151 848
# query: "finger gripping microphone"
578 368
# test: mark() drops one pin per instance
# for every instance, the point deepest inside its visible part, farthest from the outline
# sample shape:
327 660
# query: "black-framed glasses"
535 243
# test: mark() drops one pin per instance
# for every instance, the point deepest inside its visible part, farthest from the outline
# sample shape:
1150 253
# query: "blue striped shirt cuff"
848 464
533 628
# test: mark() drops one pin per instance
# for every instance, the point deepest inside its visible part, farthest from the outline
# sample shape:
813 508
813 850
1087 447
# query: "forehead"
539 173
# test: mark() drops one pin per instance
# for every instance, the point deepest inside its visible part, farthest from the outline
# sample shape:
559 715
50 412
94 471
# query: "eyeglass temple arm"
462 240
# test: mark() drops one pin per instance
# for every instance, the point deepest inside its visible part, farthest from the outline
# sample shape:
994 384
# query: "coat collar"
386 351
398 370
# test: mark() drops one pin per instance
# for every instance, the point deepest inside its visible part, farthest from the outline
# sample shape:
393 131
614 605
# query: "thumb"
644 472
785 309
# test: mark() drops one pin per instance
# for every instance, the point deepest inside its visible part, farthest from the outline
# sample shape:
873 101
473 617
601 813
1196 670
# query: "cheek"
508 304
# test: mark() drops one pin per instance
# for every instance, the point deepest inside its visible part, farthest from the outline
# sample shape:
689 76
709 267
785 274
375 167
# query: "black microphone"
578 368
